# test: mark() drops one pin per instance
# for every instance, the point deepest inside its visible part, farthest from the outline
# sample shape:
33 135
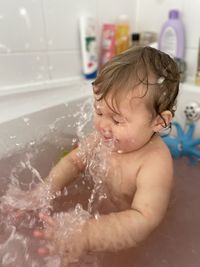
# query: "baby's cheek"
129 140
95 122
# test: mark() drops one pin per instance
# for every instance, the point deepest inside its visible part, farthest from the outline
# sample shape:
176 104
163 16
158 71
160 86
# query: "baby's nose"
105 127
106 132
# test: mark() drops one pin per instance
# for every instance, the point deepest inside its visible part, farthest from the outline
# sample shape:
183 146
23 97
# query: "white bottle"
88 46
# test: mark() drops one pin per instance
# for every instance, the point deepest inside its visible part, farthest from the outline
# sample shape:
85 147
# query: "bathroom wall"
151 14
39 39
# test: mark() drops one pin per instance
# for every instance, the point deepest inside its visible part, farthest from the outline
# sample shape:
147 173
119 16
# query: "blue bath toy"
183 144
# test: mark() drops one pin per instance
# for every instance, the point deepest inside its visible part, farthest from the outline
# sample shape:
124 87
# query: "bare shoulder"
154 183
159 160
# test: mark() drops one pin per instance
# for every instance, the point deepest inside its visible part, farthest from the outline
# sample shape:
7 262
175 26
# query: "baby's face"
129 130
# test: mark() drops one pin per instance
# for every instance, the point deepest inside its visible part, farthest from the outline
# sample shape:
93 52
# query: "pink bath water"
176 242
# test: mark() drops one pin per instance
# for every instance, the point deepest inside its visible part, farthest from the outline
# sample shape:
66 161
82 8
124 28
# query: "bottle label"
169 42
122 38
91 54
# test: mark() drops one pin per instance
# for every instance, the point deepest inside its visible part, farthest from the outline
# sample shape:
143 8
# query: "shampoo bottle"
107 43
122 36
88 46
172 37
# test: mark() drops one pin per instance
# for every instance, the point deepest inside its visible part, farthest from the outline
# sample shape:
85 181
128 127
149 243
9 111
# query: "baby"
134 99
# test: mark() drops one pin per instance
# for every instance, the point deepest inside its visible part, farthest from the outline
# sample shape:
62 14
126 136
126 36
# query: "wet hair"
156 70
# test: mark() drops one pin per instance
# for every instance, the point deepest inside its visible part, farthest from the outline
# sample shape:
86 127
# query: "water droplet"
26 120
5 49
39 77
32 143
12 136
23 12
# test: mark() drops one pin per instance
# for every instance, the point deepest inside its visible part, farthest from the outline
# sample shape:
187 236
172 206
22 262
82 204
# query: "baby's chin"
122 150
115 146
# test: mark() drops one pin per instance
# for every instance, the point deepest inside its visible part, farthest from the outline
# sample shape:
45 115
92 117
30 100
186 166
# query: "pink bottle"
107 43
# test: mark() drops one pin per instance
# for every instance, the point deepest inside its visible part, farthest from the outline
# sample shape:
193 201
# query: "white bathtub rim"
16 104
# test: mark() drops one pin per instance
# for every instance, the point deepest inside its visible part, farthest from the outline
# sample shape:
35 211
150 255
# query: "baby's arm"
69 167
66 170
128 228
16 200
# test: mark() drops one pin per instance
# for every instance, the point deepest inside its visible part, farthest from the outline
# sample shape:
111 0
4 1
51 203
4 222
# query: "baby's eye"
98 113
116 121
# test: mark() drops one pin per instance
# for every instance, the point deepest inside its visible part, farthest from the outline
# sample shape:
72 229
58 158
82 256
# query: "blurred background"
40 39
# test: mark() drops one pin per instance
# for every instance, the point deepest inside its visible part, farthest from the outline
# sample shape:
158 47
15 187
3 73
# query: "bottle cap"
135 36
123 18
173 14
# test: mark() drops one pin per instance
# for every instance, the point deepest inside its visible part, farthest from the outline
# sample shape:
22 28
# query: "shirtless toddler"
134 99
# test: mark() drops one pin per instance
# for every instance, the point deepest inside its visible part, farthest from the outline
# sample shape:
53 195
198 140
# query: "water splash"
24 14
21 193
27 121
26 195
4 49
84 117
96 156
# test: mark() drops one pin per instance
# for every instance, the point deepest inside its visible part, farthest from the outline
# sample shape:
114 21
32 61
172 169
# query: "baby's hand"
17 204
13 215
20 199
66 236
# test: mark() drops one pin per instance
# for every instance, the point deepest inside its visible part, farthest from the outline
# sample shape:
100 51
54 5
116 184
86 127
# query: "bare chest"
120 181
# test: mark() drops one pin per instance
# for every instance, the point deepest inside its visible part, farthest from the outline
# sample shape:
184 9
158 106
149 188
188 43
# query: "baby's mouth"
110 141
107 139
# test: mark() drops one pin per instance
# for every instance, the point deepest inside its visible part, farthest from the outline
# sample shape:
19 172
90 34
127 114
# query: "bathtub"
47 132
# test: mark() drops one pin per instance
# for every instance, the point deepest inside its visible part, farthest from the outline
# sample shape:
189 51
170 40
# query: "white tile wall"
62 17
21 26
191 60
108 11
64 64
22 68
191 18
39 39
153 13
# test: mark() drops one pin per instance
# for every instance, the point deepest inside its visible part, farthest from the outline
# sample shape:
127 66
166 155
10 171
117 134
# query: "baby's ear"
162 121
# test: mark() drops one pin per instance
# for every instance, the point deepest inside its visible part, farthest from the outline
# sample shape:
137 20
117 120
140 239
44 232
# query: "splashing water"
24 14
96 156
17 246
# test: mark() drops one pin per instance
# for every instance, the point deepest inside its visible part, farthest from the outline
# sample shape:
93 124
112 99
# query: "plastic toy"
184 144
